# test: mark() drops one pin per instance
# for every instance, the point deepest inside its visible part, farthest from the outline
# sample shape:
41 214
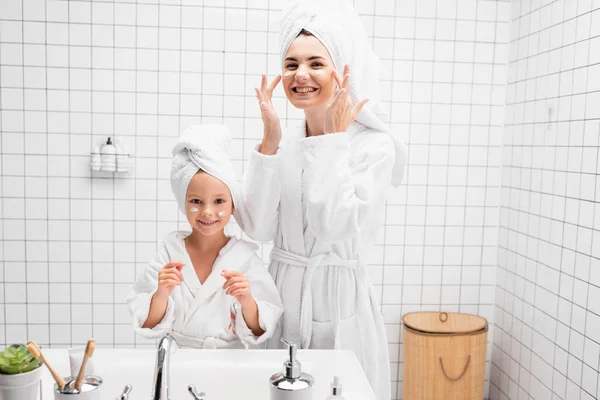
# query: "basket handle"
443 317
461 374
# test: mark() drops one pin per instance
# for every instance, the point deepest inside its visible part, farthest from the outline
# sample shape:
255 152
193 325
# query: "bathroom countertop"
221 374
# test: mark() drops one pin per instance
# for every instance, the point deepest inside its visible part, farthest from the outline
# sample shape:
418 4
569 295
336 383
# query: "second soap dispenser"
336 389
292 383
108 156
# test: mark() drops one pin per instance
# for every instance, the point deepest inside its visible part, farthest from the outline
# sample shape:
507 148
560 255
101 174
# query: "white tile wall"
73 73
547 341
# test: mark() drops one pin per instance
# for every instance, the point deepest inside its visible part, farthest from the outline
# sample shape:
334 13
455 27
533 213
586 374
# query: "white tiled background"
547 314
73 73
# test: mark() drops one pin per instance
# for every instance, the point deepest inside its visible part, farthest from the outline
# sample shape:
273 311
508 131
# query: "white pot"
21 386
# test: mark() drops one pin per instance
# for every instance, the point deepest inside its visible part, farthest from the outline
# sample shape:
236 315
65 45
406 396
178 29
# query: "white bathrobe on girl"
202 315
199 315
322 201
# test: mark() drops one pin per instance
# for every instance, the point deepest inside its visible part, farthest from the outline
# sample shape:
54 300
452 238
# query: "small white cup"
91 389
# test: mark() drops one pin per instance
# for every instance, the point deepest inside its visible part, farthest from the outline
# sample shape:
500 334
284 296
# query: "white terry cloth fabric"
202 147
337 25
199 314
322 201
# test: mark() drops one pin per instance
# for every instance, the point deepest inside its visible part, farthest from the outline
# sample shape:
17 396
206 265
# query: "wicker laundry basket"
444 356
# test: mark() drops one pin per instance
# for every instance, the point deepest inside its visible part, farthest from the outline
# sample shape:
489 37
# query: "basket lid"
443 322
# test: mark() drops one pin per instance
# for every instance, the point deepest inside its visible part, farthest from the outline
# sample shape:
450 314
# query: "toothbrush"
89 350
37 353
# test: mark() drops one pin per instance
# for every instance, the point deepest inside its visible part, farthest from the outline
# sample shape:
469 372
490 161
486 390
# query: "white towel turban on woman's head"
337 25
202 147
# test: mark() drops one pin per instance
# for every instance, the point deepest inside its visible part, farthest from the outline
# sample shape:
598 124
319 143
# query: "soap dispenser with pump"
292 383
109 156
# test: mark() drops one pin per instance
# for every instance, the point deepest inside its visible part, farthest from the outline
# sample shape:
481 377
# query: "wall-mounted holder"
111 157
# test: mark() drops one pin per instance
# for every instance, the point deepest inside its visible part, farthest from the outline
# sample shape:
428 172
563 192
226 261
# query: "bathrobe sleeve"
261 191
269 304
345 182
143 290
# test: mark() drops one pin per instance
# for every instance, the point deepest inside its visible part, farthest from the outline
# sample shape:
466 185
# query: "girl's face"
208 204
307 73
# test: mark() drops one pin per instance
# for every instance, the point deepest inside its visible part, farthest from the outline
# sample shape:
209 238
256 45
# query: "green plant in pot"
16 359
19 374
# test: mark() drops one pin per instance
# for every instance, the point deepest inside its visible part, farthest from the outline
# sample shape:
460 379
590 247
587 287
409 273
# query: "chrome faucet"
125 394
195 394
160 387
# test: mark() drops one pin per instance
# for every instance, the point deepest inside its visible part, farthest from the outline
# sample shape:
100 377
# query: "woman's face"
307 73
208 204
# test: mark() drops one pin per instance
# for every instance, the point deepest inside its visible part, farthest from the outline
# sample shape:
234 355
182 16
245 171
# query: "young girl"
209 290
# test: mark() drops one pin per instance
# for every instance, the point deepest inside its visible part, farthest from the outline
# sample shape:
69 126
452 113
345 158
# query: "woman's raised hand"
272 126
340 113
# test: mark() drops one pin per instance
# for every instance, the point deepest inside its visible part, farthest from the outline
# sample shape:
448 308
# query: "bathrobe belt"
306 309
209 342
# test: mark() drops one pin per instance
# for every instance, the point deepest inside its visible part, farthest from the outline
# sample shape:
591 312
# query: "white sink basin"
221 374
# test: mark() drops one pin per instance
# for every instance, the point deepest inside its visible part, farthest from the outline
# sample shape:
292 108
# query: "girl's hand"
169 277
340 113
237 285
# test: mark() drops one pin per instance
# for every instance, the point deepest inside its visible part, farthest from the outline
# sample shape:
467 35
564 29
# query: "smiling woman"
319 191
308 73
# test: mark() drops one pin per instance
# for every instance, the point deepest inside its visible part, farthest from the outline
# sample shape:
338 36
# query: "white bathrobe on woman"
198 315
322 201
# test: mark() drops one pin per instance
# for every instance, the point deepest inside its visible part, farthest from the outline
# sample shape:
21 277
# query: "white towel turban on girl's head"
336 24
202 147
